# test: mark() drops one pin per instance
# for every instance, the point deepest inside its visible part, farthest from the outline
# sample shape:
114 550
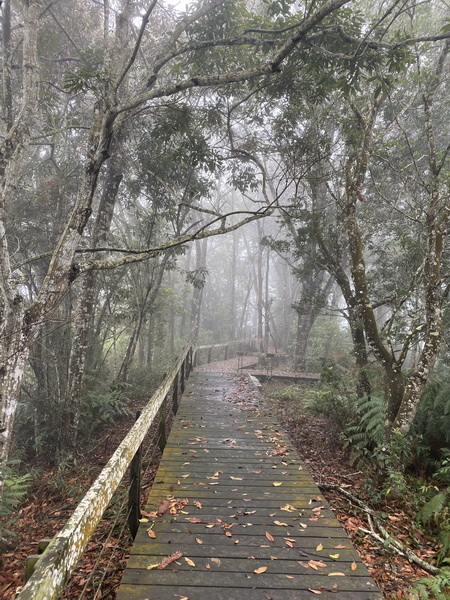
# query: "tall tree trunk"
84 315
197 294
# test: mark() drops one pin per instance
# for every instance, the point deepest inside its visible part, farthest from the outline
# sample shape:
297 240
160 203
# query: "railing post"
188 363
175 394
182 376
31 561
134 492
162 425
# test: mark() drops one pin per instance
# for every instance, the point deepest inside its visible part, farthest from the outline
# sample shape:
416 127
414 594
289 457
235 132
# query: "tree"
99 77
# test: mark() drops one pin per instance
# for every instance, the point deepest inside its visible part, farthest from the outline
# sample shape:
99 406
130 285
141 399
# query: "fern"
15 488
437 587
434 507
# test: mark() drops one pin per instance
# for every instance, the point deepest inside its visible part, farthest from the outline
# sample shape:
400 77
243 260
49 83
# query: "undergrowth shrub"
15 487
102 406
42 423
437 587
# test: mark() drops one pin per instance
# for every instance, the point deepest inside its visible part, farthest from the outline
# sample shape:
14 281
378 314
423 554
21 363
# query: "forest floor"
52 500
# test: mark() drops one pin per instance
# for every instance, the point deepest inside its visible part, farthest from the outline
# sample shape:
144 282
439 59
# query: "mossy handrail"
62 554
55 565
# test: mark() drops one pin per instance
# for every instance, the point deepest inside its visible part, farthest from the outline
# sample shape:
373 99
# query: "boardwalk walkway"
246 516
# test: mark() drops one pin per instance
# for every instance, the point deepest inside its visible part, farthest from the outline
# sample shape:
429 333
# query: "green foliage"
432 421
89 74
15 488
102 406
333 397
437 587
435 507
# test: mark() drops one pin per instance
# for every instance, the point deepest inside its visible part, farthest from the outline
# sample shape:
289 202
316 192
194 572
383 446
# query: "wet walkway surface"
233 513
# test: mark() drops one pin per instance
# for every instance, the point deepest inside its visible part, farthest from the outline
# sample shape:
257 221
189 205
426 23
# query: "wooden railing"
51 570
55 565
206 352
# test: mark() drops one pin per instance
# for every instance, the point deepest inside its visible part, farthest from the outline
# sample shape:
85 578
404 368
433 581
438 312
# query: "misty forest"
275 171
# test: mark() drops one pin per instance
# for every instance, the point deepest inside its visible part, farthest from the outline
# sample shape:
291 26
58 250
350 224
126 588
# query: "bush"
15 488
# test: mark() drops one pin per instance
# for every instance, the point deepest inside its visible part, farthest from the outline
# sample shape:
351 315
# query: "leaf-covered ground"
52 500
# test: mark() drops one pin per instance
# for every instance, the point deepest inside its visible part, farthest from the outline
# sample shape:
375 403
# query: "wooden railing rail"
253 342
54 567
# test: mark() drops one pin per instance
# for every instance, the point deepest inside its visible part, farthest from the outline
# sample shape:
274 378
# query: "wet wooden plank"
246 503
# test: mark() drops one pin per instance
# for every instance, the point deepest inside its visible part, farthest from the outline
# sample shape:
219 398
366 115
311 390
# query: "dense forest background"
220 170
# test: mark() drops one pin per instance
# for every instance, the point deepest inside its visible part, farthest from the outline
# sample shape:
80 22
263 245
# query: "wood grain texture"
250 522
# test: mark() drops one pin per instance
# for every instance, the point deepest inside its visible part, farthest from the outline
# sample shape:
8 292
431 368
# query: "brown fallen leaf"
319 548
190 562
336 574
197 504
260 570
151 534
277 483
169 560
194 520
314 591
354 566
269 537
199 541
280 524
228 533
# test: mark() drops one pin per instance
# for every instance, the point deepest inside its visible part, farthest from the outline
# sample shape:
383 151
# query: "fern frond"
433 507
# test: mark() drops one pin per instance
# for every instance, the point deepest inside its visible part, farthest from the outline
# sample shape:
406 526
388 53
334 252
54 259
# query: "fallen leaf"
165 562
354 566
319 548
305 526
260 570
314 591
277 483
235 478
194 520
190 562
228 534
334 555
199 541
216 561
151 534
154 566
340 546
197 504
280 524
336 574
270 537
144 520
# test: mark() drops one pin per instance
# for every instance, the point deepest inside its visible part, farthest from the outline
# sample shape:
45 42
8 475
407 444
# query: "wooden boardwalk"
246 516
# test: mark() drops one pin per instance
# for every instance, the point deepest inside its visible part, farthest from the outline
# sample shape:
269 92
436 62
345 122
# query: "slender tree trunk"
197 295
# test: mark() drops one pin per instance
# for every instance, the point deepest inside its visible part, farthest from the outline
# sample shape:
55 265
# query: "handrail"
62 554
54 567
232 343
